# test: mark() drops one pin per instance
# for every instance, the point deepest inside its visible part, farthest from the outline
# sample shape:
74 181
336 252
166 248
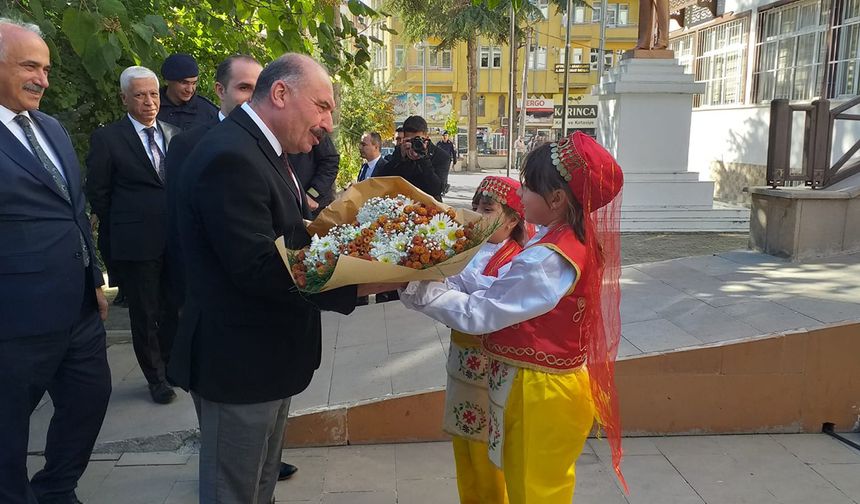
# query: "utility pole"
569 13
424 80
602 50
526 60
512 52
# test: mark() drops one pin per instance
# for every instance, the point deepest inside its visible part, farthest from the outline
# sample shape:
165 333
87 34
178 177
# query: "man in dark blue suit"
125 186
51 304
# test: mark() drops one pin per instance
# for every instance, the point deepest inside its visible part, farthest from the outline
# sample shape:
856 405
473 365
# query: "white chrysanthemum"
444 230
385 253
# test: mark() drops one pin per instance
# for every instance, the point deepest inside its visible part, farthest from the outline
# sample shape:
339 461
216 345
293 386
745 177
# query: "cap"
179 66
503 190
590 171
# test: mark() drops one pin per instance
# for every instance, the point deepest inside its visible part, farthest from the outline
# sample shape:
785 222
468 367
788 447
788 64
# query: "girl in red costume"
467 411
550 323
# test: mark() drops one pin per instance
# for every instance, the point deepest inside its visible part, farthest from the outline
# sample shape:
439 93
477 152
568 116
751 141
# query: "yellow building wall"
493 82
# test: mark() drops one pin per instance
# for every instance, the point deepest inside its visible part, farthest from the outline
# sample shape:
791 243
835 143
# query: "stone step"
685 219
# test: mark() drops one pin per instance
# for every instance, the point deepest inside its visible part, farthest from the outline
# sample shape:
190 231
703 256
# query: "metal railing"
816 170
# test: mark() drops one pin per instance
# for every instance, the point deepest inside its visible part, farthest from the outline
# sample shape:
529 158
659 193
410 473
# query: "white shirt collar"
7 116
276 145
139 126
372 163
221 116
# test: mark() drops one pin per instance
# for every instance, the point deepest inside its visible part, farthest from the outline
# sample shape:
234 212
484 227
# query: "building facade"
749 52
401 65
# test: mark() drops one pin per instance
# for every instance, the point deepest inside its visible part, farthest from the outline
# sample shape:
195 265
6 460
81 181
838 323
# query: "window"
537 58
482 102
399 56
419 56
380 57
490 57
464 106
438 58
497 57
595 12
502 111
579 14
543 5
790 50
846 63
683 48
609 57
617 14
575 55
720 62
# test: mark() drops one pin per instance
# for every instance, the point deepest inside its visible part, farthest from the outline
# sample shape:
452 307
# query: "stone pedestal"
644 121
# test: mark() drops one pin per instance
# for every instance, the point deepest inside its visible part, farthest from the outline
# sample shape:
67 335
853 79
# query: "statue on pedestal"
653 24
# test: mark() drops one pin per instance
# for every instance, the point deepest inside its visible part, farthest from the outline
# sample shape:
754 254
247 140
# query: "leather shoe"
161 393
287 471
120 299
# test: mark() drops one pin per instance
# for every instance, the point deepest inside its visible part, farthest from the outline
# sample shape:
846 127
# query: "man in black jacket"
248 340
125 186
317 171
425 167
181 106
448 146
235 79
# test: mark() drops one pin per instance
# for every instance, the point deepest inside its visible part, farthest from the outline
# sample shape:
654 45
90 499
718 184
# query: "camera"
418 146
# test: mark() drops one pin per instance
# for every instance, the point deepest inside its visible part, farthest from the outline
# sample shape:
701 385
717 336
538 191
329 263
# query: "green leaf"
362 57
376 40
37 10
79 26
356 7
145 32
93 58
113 8
157 23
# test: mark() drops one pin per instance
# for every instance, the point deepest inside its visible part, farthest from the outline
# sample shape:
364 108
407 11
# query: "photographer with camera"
417 160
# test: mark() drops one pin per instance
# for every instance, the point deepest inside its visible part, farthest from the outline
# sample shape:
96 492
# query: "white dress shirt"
537 280
7 118
370 166
140 128
276 145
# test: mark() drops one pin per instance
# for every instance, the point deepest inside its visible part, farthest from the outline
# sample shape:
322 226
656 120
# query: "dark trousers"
152 312
72 367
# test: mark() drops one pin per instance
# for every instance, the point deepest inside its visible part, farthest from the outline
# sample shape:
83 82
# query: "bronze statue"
653 16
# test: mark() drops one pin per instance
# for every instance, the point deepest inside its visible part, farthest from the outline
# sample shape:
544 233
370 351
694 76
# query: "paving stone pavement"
753 469
147 453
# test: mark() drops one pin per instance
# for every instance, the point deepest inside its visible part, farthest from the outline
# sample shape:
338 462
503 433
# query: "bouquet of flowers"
385 230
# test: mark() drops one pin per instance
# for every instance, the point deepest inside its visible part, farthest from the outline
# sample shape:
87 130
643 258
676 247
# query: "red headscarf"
595 179
505 191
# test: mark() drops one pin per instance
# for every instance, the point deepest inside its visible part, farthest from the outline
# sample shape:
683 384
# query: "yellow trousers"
479 481
547 420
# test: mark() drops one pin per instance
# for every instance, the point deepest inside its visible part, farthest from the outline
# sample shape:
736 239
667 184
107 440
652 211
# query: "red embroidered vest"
502 257
554 342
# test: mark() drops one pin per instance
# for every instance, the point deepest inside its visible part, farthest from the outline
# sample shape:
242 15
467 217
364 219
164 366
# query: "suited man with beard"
125 186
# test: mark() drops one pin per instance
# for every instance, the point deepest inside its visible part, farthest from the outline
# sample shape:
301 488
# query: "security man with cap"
181 106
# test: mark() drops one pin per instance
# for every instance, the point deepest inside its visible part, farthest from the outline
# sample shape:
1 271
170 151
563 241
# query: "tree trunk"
472 67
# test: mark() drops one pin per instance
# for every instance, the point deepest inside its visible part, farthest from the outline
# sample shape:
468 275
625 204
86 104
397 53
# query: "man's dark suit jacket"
124 189
318 169
181 145
380 165
246 334
42 277
422 173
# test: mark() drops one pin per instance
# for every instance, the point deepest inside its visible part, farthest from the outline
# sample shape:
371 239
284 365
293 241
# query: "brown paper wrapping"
352 270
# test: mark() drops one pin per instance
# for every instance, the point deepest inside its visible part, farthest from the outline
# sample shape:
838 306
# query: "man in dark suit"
248 340
235 79
51 304
125 186
317 171
371 143
425 167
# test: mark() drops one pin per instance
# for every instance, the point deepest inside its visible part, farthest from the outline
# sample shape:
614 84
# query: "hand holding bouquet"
385 230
